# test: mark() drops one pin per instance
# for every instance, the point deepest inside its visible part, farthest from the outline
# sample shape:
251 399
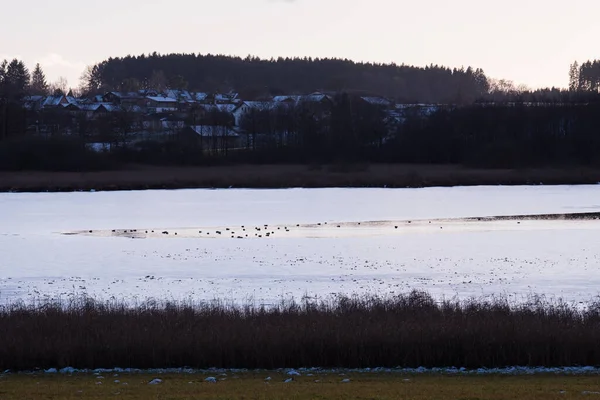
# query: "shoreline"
282 384
144 177
516 370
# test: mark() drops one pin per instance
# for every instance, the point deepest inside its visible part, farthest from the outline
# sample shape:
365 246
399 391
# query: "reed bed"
409 330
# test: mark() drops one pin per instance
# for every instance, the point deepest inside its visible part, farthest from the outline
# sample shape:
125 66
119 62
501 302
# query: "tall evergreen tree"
3 99
3 66
39 85
574 77
16 80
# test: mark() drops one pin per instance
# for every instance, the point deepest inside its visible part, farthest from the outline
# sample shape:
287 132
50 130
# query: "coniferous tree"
3 99
39 85
433 84
16 80
574 77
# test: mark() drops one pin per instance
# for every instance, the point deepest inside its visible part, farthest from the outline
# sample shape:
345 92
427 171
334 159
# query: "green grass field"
320 386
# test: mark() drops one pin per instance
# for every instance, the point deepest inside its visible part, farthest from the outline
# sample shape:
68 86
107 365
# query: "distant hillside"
253 77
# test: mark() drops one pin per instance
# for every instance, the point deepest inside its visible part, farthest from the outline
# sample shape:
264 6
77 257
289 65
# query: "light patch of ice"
465 260
51 371
346 380
293 373
288 380
211 379
155 381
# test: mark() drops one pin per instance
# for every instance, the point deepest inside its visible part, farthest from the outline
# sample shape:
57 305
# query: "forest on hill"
254 78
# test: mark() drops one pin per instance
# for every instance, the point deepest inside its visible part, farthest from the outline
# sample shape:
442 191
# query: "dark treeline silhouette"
585 77
347 129
503 135
411 330
499 126
253 77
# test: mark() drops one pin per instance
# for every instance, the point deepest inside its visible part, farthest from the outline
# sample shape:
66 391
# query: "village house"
246 107
55 101
210 138
160 104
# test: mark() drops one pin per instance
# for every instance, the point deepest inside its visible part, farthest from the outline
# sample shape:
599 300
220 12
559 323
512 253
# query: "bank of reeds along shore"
409 330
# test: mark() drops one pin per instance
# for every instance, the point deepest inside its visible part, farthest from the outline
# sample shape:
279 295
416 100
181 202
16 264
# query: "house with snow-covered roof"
160 104
246 107
210 138
55 101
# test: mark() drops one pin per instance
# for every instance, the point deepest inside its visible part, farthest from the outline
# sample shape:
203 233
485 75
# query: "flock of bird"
241 232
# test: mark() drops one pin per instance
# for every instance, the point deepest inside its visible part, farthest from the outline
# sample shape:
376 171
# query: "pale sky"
528 41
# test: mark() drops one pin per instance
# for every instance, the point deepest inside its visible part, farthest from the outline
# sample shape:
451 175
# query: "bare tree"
158 81
60 87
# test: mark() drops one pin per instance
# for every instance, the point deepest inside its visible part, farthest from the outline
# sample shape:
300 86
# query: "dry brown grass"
330 386
409 330
279 176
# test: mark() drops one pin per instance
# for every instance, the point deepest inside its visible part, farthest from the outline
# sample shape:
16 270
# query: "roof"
126 95
33 98
261 105
162 99
379 101
51 101
31 102
313 97
107 106
182 95
225 96
213 130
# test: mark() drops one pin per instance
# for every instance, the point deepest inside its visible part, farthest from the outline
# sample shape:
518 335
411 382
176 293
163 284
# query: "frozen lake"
206 244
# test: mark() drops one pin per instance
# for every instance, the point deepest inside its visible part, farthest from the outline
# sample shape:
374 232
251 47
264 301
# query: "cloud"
56 66
56 60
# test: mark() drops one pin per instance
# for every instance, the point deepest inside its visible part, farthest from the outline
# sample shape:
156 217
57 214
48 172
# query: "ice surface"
450 257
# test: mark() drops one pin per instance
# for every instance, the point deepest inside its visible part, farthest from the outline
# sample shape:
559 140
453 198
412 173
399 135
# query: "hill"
253 77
